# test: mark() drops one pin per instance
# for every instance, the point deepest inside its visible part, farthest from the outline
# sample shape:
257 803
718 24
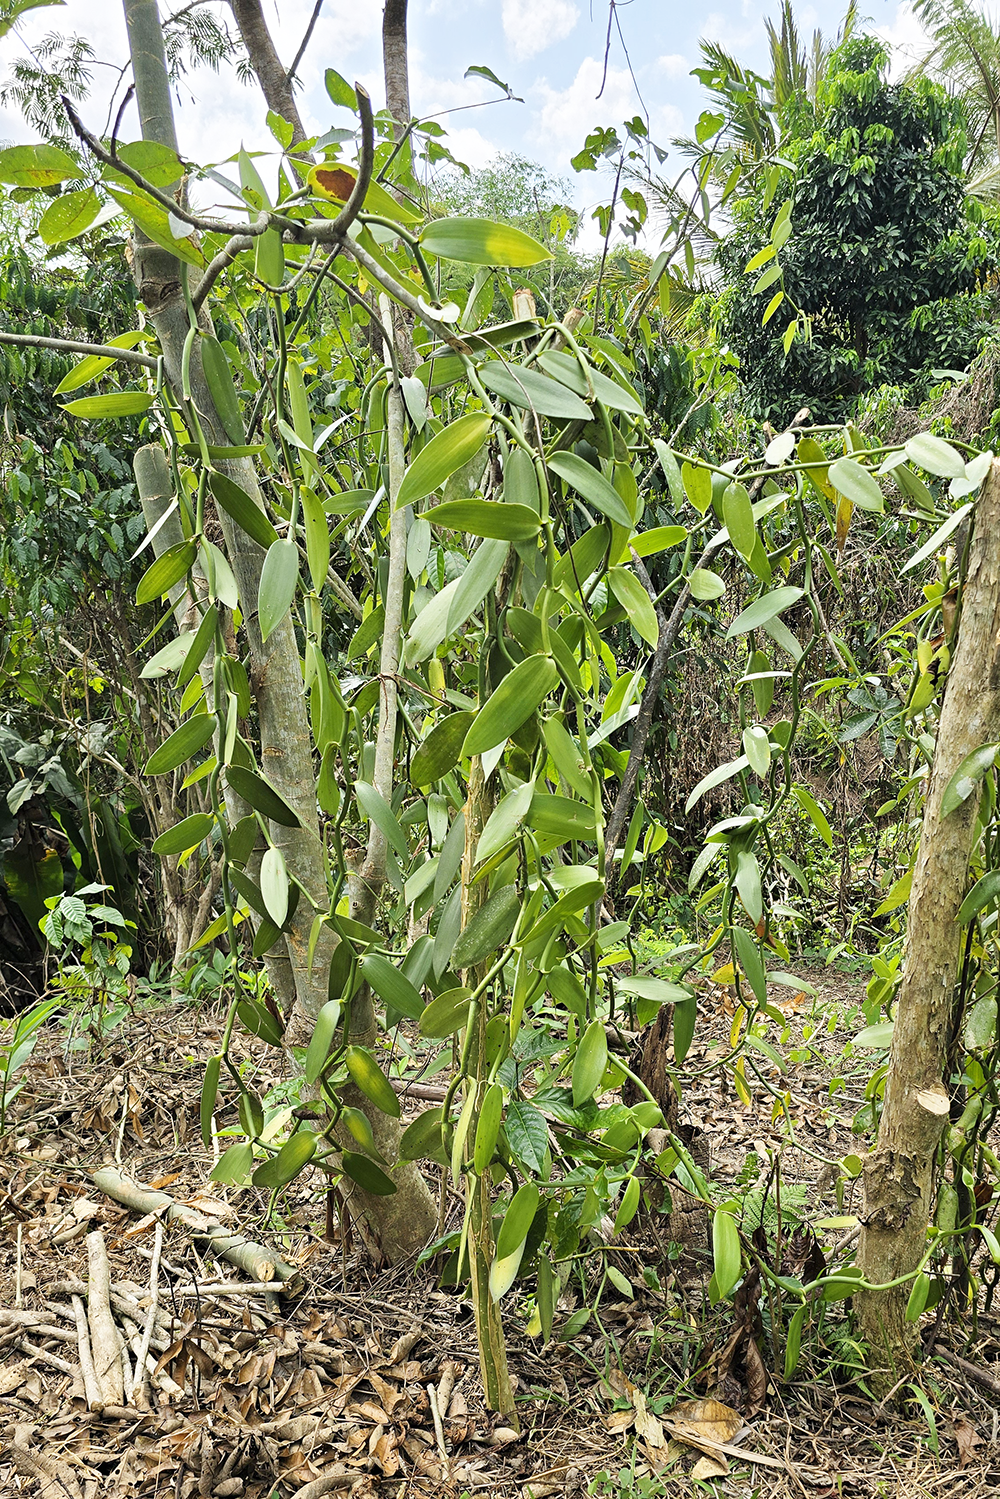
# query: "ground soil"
366 1382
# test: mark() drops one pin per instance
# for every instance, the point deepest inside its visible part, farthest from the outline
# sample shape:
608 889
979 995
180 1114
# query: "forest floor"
367 1382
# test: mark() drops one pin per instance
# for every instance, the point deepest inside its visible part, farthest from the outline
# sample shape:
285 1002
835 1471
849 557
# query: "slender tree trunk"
899 1175
395 63
275 668
275 83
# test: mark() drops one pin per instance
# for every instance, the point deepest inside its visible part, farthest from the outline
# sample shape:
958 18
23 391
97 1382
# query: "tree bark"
275 83
899 1174
395 64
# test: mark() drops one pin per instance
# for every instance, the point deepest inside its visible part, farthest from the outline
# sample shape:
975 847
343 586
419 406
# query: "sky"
551 52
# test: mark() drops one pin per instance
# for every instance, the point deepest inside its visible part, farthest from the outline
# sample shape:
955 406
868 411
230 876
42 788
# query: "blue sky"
550 51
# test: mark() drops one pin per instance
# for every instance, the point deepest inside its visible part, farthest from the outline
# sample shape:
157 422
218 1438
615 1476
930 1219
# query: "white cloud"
567 115
532 25
673 65
907 39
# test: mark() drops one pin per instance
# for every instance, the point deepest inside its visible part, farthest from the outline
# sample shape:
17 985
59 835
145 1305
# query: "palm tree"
966 57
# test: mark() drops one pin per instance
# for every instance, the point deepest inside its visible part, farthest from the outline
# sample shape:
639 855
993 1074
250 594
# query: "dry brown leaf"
710 1467
709 1420
646 1424
967 1439
620 1420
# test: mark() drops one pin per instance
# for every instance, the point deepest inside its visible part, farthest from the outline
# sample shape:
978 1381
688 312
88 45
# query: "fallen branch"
91 1384
255 1260
104 1342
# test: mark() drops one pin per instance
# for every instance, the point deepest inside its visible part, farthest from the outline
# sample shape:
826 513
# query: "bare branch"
218 264
352 207
74 346
263 222
305 40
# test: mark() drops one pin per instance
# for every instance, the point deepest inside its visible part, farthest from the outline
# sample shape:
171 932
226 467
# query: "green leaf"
815 814
234 1164
935 455
979 1031
715 778
422 1140
527 1134
269 257
503 521
274 885
182 744
658 540
117 404
748 885
450 608
660 991
749 958
983 893
219 376
512 704
187 833
530 390
168 569
967 777
446 1014
340 90
69 215
392 986
375 807
482 242
567 756
636 602
154 223
324 1031
517 1220
592 485
94 364
157 163
757 748
874 1037
278 577
629 1205
705 584
589 1063
766 608
793 1341
282 1168
261 796
235 501
488 929
938 539
860 487
209 1093
37 166
369 1177
317 529
487 1128
737 514
566 368
448 451
504 821
726 1254
371 1080
441 750
561 817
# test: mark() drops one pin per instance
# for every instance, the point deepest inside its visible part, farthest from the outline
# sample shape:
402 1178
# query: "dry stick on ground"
91 1384
900 1179
154 1297
255 1260
103 1332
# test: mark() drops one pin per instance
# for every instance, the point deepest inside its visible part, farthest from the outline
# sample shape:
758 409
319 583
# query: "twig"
432 1396
103 1332
62 1364
154 1293
304 42
91 1385
74 346
971 1371
228 1288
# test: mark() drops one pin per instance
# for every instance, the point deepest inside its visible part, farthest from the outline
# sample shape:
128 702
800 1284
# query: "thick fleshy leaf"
369 1177
219 376
854 481
488 929
278 577
512 704
566 368
155 223
446 1014
261 795
726 1252
589 1063
187 833
448 610
372 1080
441 750
324 1031
182 744
375 807
392 986
935 455
293 1155
274 885
530 390
766 608
445 453
235 501
503 522
95 364
114 405
592 485
482 242
636 602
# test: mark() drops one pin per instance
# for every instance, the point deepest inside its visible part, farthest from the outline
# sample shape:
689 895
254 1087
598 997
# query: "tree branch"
304 42
74 346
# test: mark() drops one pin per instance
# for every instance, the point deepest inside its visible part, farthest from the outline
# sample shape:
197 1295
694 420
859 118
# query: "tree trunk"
395 64
899 1174
275 83
275 669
